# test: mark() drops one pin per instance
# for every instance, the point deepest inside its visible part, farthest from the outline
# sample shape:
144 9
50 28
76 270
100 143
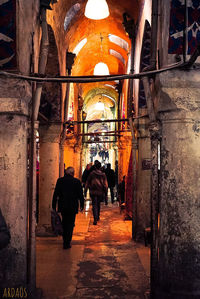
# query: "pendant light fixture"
101 69
99 106
96 9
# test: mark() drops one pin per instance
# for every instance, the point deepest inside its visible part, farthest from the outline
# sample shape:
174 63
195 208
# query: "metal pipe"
43 117
34 117
83 79
100 133
106 135
114 141
97 121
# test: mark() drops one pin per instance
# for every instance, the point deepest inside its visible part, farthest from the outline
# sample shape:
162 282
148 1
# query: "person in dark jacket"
110 174
68 192
98 186
86 173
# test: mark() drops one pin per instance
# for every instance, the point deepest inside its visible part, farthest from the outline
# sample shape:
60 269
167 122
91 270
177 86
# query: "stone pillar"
179 244
124 150
49 173
69 152
78 161
13 199
144 179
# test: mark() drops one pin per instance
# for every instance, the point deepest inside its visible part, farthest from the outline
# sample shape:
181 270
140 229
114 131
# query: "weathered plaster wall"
15 97
144 179
49 172
179 260
27 20
13 178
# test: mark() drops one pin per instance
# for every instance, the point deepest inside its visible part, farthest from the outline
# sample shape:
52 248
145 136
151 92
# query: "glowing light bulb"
99 106
101 69
96 9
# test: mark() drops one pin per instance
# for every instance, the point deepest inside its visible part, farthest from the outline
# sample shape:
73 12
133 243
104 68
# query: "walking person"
68 192
86 173
110 174
98 186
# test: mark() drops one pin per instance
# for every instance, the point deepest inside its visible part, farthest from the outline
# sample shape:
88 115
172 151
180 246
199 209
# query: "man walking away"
110 174
98 186
68 192
86 173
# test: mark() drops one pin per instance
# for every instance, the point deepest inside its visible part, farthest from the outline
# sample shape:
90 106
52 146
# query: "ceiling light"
101 69
100 106
96 9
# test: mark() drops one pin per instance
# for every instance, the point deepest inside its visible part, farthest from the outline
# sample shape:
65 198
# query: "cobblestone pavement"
103 262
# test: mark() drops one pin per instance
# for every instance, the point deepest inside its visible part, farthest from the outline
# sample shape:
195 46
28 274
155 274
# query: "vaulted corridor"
104 261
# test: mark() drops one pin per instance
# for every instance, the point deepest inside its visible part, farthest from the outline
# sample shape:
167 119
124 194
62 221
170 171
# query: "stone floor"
103 262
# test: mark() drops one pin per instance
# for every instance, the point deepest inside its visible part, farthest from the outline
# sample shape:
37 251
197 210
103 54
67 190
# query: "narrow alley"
104 262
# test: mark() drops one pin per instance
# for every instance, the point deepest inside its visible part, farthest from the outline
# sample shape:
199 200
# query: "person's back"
97 185
110 174
86 173
97 182
68 192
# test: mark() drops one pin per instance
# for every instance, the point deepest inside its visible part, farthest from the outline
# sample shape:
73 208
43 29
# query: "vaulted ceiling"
98 41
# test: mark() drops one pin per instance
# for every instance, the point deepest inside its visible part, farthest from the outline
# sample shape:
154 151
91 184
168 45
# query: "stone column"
69 156
144 179
124 149
179 248
13 199
78 160
49 172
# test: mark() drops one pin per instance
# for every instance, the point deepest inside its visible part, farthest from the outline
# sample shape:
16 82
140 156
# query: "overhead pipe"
96 121
100 133
92 79
35 111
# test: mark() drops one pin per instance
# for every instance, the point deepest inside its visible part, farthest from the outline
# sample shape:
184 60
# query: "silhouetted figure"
110 174
98 186
116 173
68 192
121 191
86 173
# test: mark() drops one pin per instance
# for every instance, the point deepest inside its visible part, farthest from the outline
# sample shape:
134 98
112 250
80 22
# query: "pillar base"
44 230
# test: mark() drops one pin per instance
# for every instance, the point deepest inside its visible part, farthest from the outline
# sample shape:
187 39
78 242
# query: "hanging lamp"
96 9
99 106
101 69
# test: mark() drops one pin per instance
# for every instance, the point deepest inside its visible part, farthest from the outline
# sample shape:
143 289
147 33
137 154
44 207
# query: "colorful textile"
8 34
177 25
